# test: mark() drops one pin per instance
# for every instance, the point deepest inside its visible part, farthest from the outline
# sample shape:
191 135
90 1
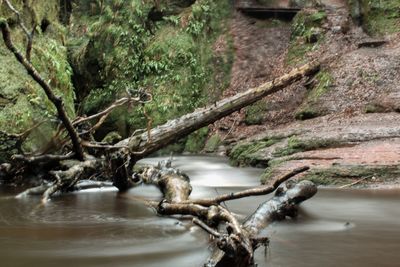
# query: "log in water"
358 228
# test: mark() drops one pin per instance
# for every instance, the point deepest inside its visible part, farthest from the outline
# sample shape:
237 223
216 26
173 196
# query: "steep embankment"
342 122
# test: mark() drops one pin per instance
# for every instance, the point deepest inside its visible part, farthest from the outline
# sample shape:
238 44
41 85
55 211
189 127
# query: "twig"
106 111
354 183
205 227
57 101
101 145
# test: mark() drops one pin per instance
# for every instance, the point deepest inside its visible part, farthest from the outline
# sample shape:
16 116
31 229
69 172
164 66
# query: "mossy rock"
196 141
296 145
306 114
310 108
212 143
248 153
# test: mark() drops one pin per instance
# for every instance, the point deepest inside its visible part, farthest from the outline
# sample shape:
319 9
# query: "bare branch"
29 34
43 158
57 101
105 112
262 190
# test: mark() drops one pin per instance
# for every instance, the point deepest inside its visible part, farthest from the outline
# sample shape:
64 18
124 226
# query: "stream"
357 228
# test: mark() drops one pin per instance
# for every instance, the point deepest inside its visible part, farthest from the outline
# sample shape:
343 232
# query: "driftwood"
234 242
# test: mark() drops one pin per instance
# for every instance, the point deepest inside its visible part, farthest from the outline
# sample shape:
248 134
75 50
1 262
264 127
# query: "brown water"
101 228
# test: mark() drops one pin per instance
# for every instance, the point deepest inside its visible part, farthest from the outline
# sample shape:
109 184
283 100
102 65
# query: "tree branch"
262 190
57 101
29 34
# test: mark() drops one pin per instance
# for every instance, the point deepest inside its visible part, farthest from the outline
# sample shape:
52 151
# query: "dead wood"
175 129
65 180
234 243
258 191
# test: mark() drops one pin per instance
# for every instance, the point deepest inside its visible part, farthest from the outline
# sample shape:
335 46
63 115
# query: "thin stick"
354 183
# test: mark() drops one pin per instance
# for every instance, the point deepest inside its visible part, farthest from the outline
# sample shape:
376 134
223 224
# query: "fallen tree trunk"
140 145
234 242
175 129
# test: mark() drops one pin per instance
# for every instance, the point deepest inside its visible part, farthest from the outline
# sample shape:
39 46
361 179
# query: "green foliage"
196 141
173 58
382 16
212 143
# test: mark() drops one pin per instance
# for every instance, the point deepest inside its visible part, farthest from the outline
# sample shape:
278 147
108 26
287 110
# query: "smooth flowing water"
103 228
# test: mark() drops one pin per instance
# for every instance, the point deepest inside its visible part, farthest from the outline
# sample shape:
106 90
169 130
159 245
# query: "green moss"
196 141
23 102
306 35
306 113
309 108
245 154
212 143
337 174
112 138
296 145
375 108
340 174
